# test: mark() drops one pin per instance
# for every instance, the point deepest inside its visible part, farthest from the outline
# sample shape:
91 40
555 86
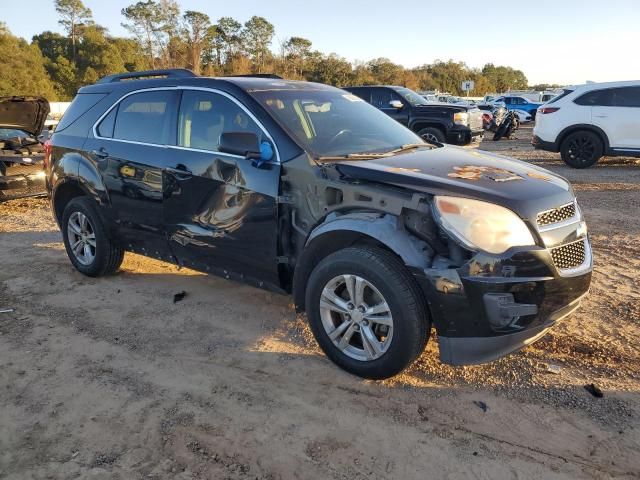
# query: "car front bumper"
495 305
460 135
22 179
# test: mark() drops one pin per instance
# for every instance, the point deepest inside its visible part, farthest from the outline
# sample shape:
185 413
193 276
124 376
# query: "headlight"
482 225
461 118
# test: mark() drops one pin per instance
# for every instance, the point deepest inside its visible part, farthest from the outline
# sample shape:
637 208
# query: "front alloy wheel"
356 317
366 311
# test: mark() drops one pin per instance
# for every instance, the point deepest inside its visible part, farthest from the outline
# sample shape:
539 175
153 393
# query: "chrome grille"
556 215
569 256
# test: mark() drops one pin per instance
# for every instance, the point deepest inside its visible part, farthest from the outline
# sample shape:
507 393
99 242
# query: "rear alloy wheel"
581 149
82 238
367 312
432 135
89 248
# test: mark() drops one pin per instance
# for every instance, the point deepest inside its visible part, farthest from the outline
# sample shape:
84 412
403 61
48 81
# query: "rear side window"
596 98
626 97
80 105
144 117
105 129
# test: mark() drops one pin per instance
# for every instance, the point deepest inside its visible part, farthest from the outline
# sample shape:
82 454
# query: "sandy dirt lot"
108 378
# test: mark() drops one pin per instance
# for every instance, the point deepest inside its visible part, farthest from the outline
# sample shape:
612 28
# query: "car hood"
24 113
522 187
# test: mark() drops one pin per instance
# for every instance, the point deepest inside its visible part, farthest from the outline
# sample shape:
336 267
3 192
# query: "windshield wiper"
373 155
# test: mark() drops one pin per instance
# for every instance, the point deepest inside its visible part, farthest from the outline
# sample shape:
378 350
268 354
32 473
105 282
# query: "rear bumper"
540 144
495 305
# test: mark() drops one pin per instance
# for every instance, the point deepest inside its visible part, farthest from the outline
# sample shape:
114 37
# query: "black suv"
306 189
434 122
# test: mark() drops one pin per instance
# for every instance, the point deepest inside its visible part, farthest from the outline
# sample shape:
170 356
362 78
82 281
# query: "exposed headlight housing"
481 225
461 118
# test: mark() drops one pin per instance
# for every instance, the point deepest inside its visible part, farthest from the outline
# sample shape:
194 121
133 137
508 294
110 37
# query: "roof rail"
257 75
166 73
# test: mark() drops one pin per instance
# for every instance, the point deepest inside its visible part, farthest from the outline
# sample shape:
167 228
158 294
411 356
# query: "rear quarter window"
80 105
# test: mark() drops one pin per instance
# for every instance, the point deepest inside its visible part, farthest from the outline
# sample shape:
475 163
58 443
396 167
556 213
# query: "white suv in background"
585 122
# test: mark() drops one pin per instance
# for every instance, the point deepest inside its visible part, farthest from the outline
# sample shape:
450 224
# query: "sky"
564 42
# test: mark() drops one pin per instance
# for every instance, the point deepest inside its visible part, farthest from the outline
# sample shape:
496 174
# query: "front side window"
143 117
382 97
204 116
328 121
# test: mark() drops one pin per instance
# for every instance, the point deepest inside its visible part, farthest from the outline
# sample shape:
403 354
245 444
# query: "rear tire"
402 336
88 246
432 134
581 149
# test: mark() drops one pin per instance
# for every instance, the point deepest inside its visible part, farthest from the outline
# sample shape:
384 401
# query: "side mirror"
397 104
245 144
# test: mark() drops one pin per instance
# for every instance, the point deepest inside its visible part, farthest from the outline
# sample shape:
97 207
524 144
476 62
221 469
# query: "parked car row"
307 189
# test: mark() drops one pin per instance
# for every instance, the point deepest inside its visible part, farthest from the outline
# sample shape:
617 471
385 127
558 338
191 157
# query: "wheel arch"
77 177
579 127
367 228
418 125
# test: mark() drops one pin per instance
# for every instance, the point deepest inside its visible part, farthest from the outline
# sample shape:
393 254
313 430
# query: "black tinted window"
80 105
602 98
363 93
626 97
204 116
381 97
562 95
145 117
105 129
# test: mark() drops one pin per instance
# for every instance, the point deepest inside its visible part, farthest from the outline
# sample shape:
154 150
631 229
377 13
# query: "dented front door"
220 210
221 215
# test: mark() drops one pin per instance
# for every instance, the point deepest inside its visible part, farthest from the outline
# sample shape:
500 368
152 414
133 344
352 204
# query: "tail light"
545 110
47 154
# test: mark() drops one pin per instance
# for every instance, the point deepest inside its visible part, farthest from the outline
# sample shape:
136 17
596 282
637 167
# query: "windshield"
332 122
412 97
7 133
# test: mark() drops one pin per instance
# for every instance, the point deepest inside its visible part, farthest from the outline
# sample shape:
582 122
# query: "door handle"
101 154
601 116
180 172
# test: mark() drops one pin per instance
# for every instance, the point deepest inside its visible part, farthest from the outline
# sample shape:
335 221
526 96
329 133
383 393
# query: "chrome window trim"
177 88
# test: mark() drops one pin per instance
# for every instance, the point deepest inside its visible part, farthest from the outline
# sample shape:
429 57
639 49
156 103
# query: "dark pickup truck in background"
434 122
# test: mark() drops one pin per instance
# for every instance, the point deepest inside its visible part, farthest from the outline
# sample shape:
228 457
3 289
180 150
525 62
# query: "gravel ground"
108 378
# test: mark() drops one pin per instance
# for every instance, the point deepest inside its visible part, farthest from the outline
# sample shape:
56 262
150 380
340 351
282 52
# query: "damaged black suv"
306 189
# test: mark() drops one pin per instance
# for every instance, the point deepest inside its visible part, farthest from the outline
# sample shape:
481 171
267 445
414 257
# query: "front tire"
581 149
88 246
367 312
432 135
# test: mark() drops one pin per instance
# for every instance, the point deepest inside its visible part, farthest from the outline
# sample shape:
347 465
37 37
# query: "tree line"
162 36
